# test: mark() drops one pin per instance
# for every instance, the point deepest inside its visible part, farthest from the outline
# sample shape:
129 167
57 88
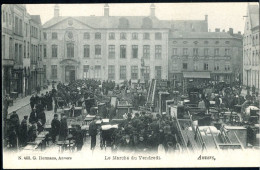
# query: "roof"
181 34
36 18
134 22
205 75
254 15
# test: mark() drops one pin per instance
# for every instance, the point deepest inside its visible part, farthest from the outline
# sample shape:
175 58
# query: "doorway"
70 74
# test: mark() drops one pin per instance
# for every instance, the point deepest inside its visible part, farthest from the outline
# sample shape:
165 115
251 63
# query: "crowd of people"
140 132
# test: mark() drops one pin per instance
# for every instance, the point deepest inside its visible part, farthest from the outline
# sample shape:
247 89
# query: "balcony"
227 57
174 56
195 57
206 57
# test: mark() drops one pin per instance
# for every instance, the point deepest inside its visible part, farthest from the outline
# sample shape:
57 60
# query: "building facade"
251 56
205 56
110 47
16 50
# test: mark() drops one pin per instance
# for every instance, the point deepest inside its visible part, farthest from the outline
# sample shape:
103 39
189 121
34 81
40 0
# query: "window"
184 66
6 18
98 50
206 51
216 67
111 51
16 27
227 66
10 19
97 35
28 53
146 72
158 36
20 27
44 72
123 36
54 51
24 51
134 72
111 72
44 51
135 36
11 48
206 66
135 51
196 65
54 36
158 51
256 39
20 54
174 51
86 71
86 35
111 36
216 51
195 51
185 51
16 52
158 72
146 51
227 52
146 36
3 46
122 51
70 50
97 72
3 16
122 72
54 71
86 51
45 35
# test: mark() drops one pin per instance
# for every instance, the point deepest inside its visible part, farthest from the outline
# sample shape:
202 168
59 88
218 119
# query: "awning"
204 75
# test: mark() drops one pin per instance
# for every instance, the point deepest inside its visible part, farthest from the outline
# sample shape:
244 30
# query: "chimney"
206 18
223 30
106 10
239 32
152 10
56 11
230 31
217 30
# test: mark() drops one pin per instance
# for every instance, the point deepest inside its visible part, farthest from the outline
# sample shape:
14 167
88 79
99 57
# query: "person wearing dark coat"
14 119
33 116
41 115
32 101
24 131
12 137
55 128
93 133
79 138
63 129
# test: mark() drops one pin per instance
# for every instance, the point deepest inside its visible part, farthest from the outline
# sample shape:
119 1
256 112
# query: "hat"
55 115
25 117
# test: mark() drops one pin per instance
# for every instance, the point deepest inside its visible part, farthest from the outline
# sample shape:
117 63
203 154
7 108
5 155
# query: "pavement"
22 102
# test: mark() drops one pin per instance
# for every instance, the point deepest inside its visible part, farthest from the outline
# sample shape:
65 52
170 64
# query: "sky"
220 15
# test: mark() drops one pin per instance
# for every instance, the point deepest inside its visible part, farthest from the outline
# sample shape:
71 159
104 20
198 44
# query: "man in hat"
55 128
63 128
24 131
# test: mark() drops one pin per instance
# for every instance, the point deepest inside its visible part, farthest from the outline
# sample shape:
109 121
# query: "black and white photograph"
130 85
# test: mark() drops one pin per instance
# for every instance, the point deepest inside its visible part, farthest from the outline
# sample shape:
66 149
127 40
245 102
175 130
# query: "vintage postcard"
130 85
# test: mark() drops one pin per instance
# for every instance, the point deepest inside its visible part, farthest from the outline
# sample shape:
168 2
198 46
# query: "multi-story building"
205 56
251 56
17 38
110 47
